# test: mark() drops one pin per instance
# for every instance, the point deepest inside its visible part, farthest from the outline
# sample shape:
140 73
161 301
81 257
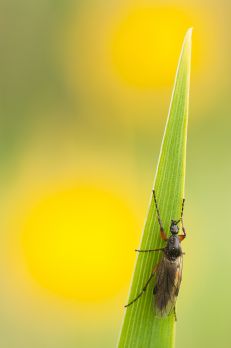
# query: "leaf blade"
140 327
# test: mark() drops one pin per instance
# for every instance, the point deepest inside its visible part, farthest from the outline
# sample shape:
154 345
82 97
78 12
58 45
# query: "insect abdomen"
167 286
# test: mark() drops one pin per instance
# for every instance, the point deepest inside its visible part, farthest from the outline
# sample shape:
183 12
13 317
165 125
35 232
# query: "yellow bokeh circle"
76 243
147 42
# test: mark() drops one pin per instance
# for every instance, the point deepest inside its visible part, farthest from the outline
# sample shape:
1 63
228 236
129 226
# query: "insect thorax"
173 248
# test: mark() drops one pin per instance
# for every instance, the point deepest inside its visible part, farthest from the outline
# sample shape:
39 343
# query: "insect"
169 270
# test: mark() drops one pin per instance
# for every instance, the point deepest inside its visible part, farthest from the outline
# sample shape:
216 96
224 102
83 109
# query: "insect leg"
144 289
182 236
149 250
157 209
174 312
162 233
182 208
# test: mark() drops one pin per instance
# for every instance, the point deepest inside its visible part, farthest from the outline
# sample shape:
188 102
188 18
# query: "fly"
169 270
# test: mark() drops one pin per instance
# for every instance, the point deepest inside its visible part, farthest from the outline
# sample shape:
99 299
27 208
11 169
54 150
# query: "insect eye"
174 229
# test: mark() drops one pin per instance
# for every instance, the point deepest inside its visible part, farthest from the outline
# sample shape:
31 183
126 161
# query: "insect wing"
168 279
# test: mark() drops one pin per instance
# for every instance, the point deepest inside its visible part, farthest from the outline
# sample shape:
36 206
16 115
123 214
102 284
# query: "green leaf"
141 329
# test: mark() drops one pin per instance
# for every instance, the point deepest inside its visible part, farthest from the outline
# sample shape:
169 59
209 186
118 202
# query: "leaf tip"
187 44
188 35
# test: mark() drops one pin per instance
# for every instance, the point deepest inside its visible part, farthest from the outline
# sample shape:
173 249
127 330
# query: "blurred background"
85 88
